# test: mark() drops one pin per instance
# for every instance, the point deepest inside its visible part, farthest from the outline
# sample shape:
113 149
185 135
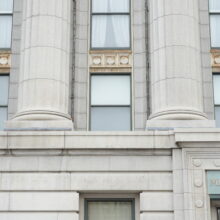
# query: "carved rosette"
110 59
5 60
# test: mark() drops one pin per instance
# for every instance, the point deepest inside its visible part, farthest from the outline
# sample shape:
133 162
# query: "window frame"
215 105
6 106
210 14
110 13
90 95
8 14
108 199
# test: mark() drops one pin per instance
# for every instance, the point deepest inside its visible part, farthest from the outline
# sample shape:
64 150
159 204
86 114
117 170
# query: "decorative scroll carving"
5 60
110 59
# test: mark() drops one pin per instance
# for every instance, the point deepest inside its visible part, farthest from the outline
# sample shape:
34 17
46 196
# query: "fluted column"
44 72
176 83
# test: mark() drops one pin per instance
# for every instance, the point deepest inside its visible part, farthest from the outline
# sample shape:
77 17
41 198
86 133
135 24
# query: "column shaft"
176 83
45 62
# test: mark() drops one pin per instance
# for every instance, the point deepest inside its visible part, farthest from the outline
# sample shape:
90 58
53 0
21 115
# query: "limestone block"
81 75
38 215
140 75
42 201
139 17
178 181
138 5
140 105
139 47
35 181
82 17
178 201
108 140
121 181
4 201
139 31
157 216
32 140
3 140
156 201
82 5
81 46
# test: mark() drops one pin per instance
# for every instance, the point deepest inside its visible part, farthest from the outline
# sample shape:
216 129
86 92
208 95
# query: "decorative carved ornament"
110 59
5 60
215 58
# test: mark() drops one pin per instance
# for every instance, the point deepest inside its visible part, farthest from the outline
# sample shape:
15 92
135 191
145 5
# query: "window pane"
110 6
3 116
217 116
110 90
109 210
110 31
110 119
4 82
6 6
215 30
5 31
216 82
214 5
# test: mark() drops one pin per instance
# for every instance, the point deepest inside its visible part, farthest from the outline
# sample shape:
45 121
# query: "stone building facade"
74 147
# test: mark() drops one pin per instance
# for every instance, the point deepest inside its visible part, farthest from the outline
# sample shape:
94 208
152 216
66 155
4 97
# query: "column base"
39 121
171 124
178 114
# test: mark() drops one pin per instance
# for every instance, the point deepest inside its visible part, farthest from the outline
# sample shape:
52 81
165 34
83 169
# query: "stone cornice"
164 140
87 140
197 137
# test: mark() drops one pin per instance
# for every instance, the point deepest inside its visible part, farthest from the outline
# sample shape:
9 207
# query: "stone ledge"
197 137
87 140
133 140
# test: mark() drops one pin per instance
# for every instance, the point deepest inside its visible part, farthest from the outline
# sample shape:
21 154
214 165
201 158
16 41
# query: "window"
6 10
110 24
214 8
216 83
4 82
109 209
110 102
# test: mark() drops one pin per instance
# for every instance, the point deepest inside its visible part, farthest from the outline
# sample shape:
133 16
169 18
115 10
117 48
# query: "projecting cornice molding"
198 137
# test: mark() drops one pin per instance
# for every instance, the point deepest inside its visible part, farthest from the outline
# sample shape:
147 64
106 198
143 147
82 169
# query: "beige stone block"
4 200
178 201
156 201
38 215
157 216
35 181
109 140
43 201
42 140
121 181
160 181
178 181
3 140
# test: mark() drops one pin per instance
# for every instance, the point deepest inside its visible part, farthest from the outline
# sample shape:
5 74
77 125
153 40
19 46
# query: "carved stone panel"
215 58
5 60
110 60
